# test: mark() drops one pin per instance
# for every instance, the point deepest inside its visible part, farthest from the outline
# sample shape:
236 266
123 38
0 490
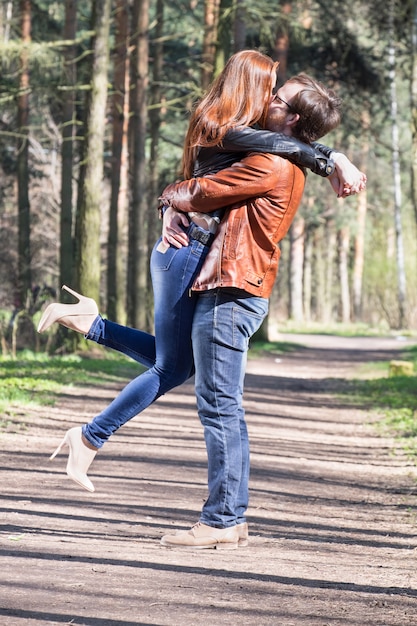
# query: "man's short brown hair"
319 109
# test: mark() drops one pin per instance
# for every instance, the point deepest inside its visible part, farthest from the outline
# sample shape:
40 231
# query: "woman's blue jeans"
224 322
168 354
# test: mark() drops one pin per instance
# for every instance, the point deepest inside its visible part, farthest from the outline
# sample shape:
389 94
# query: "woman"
218 136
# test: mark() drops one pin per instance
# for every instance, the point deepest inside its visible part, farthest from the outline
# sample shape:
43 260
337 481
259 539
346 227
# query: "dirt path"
332 512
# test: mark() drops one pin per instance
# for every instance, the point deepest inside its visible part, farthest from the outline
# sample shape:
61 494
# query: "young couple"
229 260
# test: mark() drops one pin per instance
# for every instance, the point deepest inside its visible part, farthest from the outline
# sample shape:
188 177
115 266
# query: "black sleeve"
251 140
329 152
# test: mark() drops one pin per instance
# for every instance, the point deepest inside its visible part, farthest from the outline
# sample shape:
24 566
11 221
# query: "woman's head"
239 96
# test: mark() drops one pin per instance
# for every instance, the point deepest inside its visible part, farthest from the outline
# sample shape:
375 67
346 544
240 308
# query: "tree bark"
330 255
91 175
413 99
239 26
24 253
362 208
211 25
116 286
308 275
282 42
138 251
5 24
297 233
401 289
344 241
359 256
156 114
66 262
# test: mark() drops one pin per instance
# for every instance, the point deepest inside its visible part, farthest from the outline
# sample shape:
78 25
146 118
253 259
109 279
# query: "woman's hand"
346 179
172 228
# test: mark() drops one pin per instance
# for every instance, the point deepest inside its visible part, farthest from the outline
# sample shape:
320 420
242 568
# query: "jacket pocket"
254 279
232 239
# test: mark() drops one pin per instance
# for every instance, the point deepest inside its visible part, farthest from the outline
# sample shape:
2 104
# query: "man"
264 192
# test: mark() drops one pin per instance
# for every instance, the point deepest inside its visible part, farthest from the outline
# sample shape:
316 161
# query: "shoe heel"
78 317
63 443
81 299
80 457
72 292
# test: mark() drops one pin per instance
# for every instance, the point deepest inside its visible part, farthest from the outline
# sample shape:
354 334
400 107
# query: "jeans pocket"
245 324
162 259
237 319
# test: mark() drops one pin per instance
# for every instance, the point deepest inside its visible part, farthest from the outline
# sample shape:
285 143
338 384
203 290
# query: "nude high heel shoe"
79 459
78 317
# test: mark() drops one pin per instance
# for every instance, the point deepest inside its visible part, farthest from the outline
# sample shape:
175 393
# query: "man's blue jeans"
168 354
224 321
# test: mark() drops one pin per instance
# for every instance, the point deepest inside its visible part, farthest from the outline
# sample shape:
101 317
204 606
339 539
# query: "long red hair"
239 96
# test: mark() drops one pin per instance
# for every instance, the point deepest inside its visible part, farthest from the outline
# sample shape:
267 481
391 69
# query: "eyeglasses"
277 97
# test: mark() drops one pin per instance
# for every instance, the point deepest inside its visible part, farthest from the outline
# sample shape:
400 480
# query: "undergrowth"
38 379
34 379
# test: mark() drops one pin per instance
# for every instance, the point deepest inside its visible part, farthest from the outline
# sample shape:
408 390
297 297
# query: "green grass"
342 330
37 379
260 348
395 398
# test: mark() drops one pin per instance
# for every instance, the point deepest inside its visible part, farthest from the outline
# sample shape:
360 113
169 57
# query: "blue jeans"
224 321
168 354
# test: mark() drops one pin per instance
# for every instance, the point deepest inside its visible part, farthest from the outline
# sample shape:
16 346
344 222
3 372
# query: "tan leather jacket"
263 192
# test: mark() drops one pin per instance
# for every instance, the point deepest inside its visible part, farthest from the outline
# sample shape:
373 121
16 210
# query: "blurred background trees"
95 100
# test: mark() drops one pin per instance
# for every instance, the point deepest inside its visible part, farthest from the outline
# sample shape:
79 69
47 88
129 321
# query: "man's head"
304 108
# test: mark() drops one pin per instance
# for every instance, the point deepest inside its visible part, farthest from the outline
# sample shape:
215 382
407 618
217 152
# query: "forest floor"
332 517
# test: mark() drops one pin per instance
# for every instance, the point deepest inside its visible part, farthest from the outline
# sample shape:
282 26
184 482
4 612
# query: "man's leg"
224 321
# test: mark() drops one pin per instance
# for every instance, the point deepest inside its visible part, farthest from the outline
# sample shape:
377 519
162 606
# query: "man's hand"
346 179
172 233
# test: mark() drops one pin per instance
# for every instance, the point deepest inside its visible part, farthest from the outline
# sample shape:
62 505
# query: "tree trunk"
362 207
308 275
138 252
116 286
239 26
24 254
66 263
297 233
155 121
5 25
318 295
413 99
282 42
91 175
330 256
344 241
359 258
402 322
211 25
